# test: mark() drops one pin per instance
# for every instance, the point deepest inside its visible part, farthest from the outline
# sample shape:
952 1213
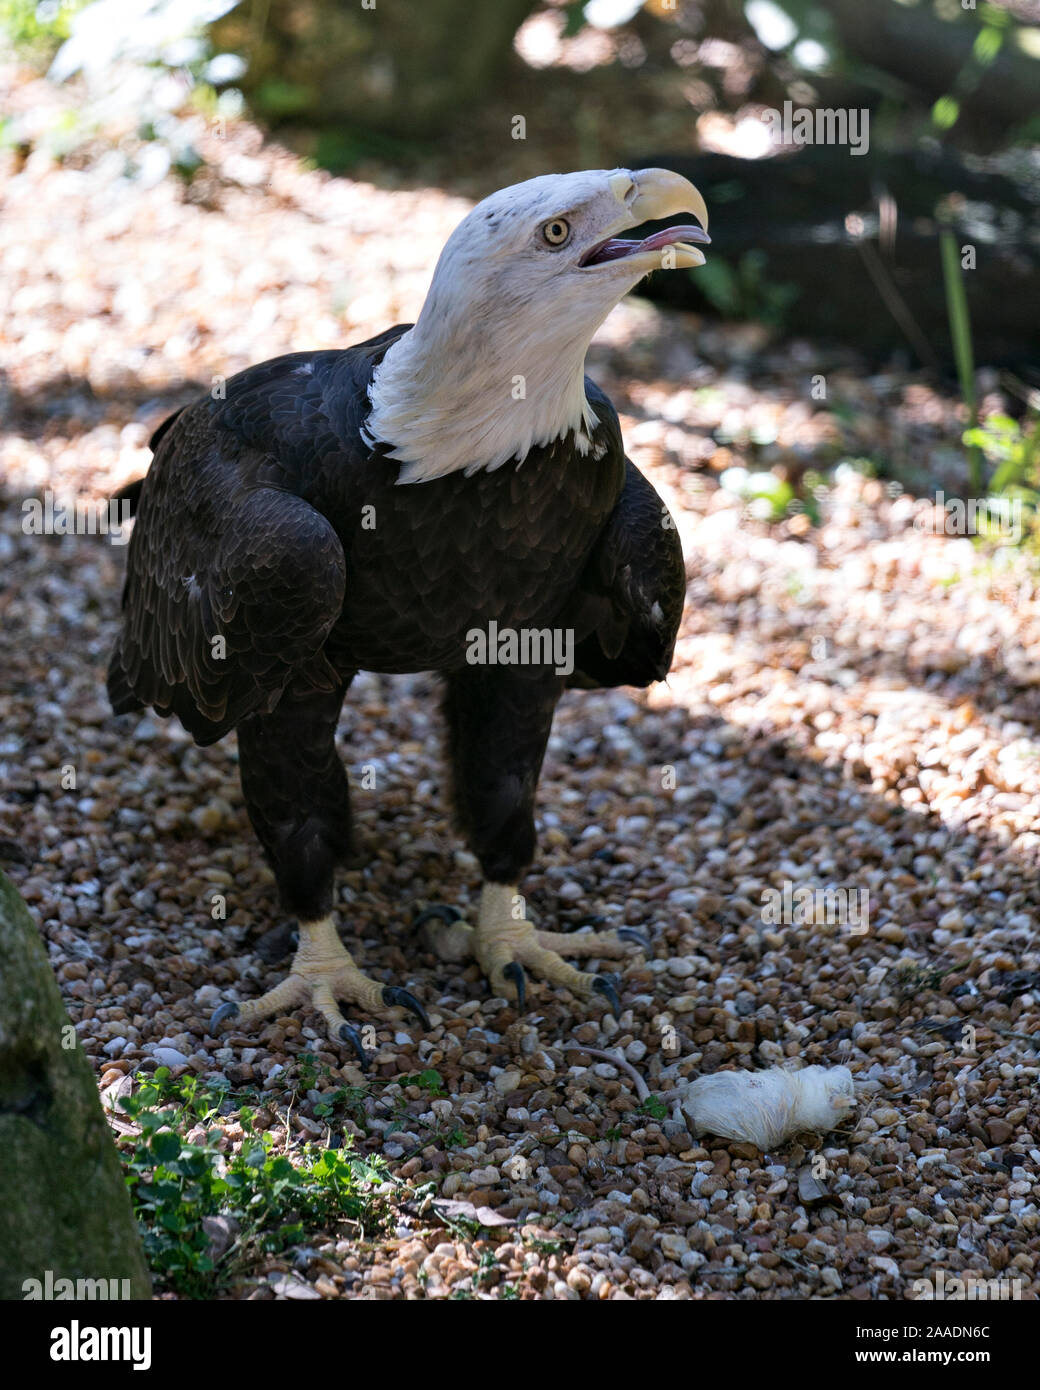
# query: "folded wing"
631 593
233 584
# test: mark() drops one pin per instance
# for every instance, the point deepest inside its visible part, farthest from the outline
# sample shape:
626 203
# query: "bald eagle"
381 507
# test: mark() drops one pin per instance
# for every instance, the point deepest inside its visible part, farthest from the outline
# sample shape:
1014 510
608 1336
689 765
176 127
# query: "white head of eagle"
495 364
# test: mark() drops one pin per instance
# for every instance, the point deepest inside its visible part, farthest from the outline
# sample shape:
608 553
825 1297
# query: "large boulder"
65 1211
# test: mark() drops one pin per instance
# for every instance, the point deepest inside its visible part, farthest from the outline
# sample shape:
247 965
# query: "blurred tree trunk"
401 69
930 54
64 1207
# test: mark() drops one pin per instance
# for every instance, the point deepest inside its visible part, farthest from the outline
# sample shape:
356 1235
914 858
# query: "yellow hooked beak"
649 195
659 194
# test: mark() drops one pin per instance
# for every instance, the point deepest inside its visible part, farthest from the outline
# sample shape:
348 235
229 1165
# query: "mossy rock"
64 1206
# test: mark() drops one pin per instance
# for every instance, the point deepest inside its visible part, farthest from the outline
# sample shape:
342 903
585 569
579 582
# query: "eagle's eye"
557 232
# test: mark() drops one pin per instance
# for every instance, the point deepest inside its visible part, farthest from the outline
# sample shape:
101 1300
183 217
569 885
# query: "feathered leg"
298 799
498 727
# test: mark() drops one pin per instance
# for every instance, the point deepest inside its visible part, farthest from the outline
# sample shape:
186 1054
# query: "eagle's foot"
322 973
505 944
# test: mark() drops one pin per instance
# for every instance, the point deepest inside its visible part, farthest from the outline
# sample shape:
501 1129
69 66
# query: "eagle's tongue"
671 235
616 247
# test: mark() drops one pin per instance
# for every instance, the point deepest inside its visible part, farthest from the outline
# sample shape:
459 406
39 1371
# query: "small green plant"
1013 450
544 1247
269 1199
960 334
463 1228
309 1071
482 1277
655 1107
429 1081
487 1267
350 1099
197 1099
306 1076
36 28
1012 503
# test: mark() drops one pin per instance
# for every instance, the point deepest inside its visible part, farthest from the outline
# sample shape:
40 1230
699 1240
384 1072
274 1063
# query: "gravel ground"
852 704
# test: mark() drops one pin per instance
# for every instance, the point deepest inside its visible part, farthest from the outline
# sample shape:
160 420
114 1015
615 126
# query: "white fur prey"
763 1108
495 364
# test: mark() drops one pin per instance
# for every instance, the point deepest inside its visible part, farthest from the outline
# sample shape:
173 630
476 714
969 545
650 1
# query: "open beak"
648 195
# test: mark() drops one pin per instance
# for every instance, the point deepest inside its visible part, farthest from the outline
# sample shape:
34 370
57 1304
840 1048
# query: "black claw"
607 985
220 1013
438 910
394 994
515 971
351 1035
631 934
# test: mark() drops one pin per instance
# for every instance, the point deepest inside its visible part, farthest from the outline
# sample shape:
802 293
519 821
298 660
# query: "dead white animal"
753 1107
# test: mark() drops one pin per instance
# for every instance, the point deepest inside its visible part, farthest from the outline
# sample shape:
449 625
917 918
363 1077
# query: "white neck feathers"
449 402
